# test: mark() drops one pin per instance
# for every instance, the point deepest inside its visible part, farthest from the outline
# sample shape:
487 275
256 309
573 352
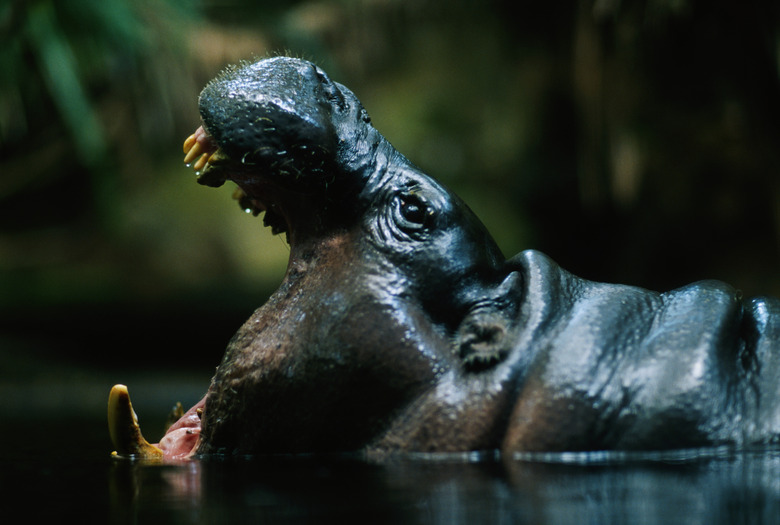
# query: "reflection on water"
60 469
741 487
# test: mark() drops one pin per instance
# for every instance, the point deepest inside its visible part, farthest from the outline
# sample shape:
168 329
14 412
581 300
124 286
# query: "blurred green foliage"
632 141
85 82
66 52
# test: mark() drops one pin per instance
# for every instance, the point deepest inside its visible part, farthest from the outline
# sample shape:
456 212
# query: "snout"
280 107
277 128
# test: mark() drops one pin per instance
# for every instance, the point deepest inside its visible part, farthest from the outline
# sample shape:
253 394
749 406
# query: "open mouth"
278 129
255 193
180 441
211 166
199 148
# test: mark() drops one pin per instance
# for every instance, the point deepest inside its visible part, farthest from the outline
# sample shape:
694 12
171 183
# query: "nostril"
481 340
329 87
321 76
334 95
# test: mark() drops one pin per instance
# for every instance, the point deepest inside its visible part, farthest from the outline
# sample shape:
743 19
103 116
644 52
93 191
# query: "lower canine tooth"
123 427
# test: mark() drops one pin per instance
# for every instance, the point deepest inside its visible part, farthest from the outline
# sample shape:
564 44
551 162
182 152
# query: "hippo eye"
412 212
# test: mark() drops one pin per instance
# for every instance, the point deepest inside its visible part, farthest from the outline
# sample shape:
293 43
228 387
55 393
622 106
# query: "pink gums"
181 439
205 140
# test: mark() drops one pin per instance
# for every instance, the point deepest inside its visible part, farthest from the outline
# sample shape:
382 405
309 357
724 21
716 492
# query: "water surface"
57 469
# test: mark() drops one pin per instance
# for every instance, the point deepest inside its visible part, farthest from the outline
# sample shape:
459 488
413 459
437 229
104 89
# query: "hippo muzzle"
262 108
399 325
279 123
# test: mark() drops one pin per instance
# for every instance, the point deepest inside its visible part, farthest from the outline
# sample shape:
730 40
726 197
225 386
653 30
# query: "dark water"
62 469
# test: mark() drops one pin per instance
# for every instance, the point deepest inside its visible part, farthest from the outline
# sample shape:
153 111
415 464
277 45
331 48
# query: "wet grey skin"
400 326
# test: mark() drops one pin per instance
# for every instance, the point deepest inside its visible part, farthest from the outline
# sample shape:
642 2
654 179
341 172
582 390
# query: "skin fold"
400 326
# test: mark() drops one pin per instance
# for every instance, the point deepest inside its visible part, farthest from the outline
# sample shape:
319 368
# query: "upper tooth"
193 153
201 162
191 140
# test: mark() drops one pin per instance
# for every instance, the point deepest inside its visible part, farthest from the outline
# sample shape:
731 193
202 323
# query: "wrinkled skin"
399 325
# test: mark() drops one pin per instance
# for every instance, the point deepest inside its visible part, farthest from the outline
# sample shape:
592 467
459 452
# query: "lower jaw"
180 441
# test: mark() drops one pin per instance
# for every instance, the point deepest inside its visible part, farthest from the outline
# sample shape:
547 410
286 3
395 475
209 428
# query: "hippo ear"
482 340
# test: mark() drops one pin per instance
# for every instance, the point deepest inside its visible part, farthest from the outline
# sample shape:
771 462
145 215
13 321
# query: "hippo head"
391 283
300 147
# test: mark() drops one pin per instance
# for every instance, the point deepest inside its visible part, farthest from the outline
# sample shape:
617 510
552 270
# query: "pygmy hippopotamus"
399 325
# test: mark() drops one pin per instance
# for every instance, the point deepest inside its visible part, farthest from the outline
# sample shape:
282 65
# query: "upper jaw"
287 136
289 189
213 167
202 153
274 118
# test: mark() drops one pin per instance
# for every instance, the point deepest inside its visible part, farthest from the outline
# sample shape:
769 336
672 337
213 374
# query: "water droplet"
188 164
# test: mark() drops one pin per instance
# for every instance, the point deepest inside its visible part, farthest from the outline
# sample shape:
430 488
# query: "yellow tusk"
123 427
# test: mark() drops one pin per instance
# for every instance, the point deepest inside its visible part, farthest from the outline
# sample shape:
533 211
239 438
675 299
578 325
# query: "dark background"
633 142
